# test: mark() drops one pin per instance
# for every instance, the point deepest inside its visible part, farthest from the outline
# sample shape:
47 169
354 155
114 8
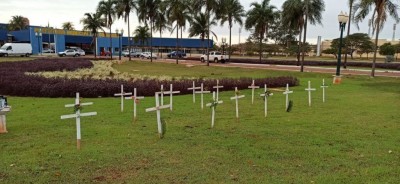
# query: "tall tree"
107 9
147 10
351 15
141 35
259 19
313 12
199 26
178 12
161 23
69 26
211 7
18 22
232 12
93 22
293 17
124 9
380 11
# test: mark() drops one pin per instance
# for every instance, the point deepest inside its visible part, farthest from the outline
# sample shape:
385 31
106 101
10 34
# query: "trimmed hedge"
393 66
14 82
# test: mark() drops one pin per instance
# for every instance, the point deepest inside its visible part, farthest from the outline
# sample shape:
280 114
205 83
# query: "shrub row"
14 82
394 66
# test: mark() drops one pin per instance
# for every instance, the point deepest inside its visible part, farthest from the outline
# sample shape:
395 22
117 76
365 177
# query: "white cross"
309 89
217 87
202 92
135 99
236 98
253 87
323 90
194 91
265 95
287 92
213 106
158 109
122 95
78 116
170 93
3 124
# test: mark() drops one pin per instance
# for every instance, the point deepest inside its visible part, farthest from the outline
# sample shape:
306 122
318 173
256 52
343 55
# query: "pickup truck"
214 56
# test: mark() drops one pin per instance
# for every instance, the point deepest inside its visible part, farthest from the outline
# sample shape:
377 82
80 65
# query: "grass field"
352 138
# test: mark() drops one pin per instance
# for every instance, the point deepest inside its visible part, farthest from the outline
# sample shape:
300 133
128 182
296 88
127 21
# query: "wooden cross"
266 95
136 100
287 92
253 87
202 92
122 95
309 89
194 91
213 106
3 112
323 90
217 87
236 98
78 116
170 93
158 108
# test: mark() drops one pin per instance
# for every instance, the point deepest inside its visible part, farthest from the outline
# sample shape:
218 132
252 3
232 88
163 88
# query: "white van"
16 49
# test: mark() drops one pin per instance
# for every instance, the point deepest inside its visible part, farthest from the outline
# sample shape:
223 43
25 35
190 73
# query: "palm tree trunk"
260 49
348 33
304 43
129 39
111 48
230 42
299 46
376 47
151 41
177 38
208 37
160 43
95 46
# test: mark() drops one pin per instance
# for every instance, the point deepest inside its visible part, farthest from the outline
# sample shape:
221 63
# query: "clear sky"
55 12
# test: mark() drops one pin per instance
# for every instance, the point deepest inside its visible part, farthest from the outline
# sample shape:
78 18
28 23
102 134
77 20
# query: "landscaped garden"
351 138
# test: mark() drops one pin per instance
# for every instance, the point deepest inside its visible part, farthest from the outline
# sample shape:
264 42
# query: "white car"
214 56
148 55
16 49
69 52
81 52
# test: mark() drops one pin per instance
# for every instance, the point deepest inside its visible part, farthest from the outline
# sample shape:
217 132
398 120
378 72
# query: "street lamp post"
119 41
342 18
38 36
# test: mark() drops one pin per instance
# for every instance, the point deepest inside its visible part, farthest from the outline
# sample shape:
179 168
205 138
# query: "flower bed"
393 66
15 82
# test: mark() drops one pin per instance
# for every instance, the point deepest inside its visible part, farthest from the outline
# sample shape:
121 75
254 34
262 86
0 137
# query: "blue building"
58 39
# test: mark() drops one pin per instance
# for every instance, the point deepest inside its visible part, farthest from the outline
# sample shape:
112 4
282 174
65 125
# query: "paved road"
378 72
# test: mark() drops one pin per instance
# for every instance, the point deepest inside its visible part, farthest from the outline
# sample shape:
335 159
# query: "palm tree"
161 23
124 9
17 23
147 10
232 11
199 26
141 35
313 12
293 17
69 26
108 11
259 19
93 23
212 6
177 11
380 11
351 3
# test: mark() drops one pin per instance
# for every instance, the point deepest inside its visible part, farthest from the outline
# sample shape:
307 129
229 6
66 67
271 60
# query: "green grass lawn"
14 59
352 138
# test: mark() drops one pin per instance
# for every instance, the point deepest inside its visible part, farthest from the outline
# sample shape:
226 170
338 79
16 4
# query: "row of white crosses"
77 105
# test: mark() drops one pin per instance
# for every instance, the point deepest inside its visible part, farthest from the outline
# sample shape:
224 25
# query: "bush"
14 82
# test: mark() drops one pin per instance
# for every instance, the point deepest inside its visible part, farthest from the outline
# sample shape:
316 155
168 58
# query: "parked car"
133 54
214 56
148 55
48 51
16 49
69 52
81 52
178 54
